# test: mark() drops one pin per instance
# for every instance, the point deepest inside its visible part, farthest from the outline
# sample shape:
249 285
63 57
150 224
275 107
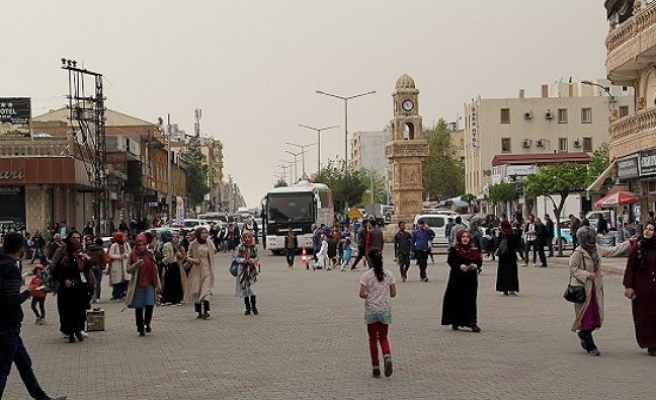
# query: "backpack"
47 280
108 259
158 253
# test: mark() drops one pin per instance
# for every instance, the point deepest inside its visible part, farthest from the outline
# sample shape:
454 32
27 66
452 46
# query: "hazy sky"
253 66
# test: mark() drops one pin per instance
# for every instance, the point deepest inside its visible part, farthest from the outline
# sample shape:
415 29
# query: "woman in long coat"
507 276
119 252
640 287
174 279
246 282
201 275
73 273
585 269
144 284
459 305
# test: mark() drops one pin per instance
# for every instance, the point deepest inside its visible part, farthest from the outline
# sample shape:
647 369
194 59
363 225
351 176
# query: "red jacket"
39 293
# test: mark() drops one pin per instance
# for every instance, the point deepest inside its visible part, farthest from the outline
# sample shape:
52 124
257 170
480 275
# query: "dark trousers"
550 246
12 350
404 264
143 317
202 308
361 251
422 262
530 244
250 303
289 255
41 302
539 248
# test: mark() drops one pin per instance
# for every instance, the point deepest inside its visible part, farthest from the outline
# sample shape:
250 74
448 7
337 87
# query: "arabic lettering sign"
473 115
15 116
627 167
648 163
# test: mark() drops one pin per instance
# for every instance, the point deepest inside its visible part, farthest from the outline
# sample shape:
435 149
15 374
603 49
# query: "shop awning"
596 185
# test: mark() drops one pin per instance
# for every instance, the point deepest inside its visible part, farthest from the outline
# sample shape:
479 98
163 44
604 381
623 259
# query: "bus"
299 207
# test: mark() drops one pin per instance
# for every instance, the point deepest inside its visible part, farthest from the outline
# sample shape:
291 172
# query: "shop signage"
627 167
15 115
11 175
648 163
473 125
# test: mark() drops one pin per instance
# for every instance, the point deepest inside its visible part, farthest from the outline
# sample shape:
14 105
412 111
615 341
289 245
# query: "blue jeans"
12 350
98 273
289 255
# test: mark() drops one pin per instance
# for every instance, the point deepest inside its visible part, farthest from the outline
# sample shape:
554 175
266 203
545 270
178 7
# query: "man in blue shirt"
422 239
12 349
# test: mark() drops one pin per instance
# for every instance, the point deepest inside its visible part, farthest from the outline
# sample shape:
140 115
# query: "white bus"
298 206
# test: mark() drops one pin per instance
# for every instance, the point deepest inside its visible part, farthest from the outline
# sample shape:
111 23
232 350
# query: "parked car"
565 234
438 222
593 217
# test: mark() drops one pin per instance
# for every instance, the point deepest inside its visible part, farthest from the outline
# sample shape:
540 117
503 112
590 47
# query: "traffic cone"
304 259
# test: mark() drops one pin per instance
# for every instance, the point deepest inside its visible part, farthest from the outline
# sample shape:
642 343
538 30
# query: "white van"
438 222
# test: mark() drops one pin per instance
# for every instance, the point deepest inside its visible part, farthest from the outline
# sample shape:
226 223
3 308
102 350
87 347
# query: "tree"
281 183
347 186
372 180
561 179
502 193
599 161
443 173
196 173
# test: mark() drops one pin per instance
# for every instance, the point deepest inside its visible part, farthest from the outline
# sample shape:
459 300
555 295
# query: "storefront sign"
473 125
15 116
648 163
627 167
12 212
10 175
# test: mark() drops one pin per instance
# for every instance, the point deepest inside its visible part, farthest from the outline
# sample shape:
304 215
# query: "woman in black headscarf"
585 269
175 278
73 273
459 305
641 288
507 276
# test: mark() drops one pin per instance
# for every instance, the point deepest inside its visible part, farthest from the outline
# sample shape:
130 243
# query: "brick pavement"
309 342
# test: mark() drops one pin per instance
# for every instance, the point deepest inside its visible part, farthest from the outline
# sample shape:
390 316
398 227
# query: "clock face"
408 105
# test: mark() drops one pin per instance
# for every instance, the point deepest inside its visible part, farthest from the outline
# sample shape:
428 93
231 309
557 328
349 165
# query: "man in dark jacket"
539 242
12 350
549 224
422 239
402 248
361 239
374 236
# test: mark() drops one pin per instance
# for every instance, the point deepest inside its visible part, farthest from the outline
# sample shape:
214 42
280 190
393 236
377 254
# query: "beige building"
631 56
568 118
368 151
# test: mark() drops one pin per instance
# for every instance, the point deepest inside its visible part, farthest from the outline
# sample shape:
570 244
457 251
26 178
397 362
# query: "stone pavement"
310 342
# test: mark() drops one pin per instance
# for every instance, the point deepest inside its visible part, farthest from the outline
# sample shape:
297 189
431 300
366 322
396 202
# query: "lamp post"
318 130
611 98
295 163
346 99
289 165
302 155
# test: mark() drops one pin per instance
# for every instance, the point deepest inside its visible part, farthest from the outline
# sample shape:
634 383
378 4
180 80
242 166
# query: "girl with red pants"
377 287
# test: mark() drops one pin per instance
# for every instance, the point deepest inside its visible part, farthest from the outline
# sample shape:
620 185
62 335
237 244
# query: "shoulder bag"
575 293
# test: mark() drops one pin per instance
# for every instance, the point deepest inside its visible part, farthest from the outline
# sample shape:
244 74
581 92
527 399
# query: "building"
566 120
368 152
631 56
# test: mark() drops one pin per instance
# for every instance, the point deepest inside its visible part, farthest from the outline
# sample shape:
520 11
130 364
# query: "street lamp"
295 165
346 99
302 155
318 141
611 98
289 165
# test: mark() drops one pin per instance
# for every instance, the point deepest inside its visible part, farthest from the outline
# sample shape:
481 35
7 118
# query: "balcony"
57 147
631 46
633 133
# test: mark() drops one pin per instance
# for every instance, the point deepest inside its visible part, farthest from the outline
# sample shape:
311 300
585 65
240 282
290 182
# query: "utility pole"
89 139
169 173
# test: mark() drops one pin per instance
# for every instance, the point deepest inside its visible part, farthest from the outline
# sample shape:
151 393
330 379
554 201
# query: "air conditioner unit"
526 143
528 115
540 143
577 143
548 115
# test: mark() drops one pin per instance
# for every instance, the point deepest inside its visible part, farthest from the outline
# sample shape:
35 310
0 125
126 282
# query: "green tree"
502 193
196 173
599 161
561 179
347 186
443 173
371 179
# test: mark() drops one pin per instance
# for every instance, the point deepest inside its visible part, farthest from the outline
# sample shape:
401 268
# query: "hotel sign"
648 163
15 116
627 168
473 125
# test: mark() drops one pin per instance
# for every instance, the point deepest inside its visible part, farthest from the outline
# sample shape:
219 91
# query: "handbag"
234 268
575 294
502 250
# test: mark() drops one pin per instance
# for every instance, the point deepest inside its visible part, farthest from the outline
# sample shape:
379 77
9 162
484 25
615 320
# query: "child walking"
347 252
377 287
39 297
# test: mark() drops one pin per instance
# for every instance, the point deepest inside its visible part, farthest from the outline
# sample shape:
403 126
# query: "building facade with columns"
630 61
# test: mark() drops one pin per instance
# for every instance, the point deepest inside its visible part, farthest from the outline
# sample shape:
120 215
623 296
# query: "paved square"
310 342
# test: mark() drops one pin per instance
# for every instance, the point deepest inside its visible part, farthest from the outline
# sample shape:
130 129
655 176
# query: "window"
505 145
624 111
586 115
562 115
562 144
587 144
505 115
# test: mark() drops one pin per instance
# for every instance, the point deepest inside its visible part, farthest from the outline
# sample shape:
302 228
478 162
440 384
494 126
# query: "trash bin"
607 241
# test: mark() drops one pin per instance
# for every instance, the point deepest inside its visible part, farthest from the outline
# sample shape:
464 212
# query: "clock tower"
406 151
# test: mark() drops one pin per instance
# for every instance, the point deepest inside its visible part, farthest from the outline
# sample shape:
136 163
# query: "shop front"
37 192
647 181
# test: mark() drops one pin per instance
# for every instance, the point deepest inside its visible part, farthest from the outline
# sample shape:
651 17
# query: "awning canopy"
598 183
